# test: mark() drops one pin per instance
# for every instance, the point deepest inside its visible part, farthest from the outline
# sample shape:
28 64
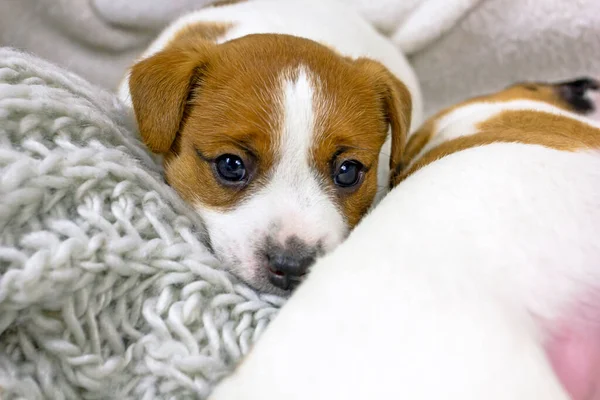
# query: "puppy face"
274 140
558 115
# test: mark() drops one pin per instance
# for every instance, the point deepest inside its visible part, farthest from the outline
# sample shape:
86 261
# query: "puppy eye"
348 174
230 168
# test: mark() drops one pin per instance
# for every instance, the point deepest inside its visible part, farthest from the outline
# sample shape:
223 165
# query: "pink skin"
574 352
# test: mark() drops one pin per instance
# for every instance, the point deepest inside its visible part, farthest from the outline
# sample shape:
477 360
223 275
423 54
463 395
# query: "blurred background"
459 48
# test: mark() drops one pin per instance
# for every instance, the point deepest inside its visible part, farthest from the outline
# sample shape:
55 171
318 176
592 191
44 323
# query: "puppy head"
274 140
548 114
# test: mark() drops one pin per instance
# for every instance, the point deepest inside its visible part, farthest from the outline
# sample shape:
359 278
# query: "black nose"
575 93
288 264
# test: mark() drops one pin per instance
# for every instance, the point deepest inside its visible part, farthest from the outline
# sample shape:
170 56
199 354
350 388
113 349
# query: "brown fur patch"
209 31
522 91
526 126
197 98
523 126
418 140
159 88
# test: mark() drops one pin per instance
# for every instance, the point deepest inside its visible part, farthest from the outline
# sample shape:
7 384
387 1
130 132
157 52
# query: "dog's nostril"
288 264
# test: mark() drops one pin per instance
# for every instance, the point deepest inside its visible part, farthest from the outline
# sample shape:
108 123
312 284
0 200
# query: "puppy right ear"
160 87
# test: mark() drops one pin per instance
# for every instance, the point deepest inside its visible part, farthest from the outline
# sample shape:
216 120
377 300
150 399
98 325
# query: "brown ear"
160 86
397 105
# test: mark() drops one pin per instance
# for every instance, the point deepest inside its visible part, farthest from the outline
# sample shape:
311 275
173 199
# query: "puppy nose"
288 264
574 93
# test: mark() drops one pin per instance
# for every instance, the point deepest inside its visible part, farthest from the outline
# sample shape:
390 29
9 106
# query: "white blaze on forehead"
298 120
294 182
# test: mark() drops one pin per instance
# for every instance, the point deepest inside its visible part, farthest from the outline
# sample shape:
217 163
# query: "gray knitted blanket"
106 290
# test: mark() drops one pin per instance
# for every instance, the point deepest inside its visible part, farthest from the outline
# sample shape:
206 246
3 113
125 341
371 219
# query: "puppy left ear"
397 108
160 86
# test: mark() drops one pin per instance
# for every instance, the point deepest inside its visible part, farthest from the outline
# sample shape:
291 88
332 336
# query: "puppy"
477 277
278 122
